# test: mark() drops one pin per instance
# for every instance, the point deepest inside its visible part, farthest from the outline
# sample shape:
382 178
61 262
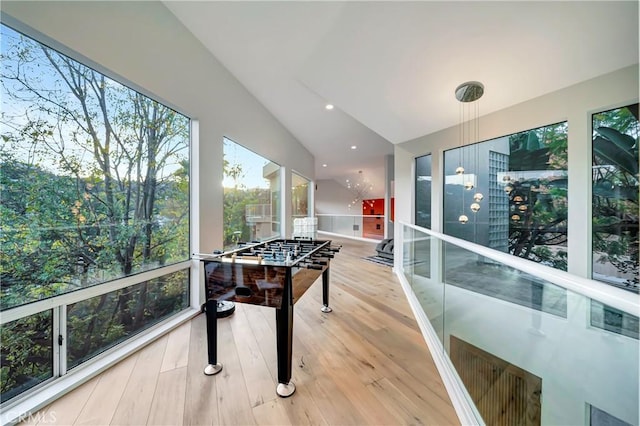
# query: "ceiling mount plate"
469 91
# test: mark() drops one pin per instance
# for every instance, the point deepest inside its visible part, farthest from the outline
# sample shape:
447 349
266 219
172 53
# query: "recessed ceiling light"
329 106
324 165
353 147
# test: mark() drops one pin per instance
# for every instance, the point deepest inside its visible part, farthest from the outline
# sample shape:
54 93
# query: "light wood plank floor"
365 363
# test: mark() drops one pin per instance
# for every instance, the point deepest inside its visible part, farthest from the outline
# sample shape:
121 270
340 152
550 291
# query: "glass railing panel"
26 353
429 290
422 259
345 225
524 364
468 270
325 223
348 225
99 323
613 320
525 351
408 253
598 417
359 226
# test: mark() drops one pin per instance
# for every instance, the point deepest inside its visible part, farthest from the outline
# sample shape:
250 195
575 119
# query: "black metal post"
325 287
212 331
211 312
325 291
284 339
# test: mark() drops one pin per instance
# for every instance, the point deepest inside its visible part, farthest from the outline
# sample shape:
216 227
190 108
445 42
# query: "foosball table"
274 273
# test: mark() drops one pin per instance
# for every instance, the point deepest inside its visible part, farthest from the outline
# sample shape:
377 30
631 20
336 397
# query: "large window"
510 194
117 315
251 196
615 197
95 188
27 353
423 191
299 196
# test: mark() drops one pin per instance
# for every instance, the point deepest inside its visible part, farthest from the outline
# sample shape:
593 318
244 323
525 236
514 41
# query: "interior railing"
517 342
358 226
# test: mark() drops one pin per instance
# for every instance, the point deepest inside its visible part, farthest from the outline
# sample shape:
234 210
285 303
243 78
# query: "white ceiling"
390 68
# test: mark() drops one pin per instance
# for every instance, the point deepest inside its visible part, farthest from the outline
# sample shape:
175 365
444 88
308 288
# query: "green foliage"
235 202
95 176
96 324
538 205
236 199
544 148
95 186
26 353
557 259
299 201
36 259
615 148
615 193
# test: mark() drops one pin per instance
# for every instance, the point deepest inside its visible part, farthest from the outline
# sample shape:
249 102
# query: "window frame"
62 381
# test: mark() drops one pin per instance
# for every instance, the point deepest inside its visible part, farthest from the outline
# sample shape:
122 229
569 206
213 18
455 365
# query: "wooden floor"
365 363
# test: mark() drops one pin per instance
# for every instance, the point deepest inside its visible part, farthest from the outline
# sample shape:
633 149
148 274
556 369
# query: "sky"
251 162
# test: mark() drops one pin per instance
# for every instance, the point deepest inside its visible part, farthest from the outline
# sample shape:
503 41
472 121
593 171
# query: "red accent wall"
373 227
393 209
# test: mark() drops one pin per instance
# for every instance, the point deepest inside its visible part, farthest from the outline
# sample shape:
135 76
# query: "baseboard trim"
467 413
27 405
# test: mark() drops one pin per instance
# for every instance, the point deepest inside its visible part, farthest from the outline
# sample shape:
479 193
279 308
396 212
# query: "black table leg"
211 311
284 342
325 291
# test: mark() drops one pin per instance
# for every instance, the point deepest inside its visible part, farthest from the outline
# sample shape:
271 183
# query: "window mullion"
55 333
62 343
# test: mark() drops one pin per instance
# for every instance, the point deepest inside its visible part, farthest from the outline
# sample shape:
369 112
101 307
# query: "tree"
236 199
615 193
538 205
95 187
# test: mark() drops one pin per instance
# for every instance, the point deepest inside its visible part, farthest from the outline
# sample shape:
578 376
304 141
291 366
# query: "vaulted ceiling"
390 68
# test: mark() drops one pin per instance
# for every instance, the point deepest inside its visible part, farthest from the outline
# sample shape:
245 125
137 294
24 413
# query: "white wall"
333 198
144 44
575 104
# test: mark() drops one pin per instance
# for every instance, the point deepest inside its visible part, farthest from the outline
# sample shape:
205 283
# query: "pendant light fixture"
468 94
361 189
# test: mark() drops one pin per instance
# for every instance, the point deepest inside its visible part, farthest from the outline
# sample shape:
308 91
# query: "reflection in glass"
251 196
299 196
301 225
97 324
512 195
26 352
423 191
598 417
615 197
408 253
428 291
614 320
273 174
471 271
501 327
